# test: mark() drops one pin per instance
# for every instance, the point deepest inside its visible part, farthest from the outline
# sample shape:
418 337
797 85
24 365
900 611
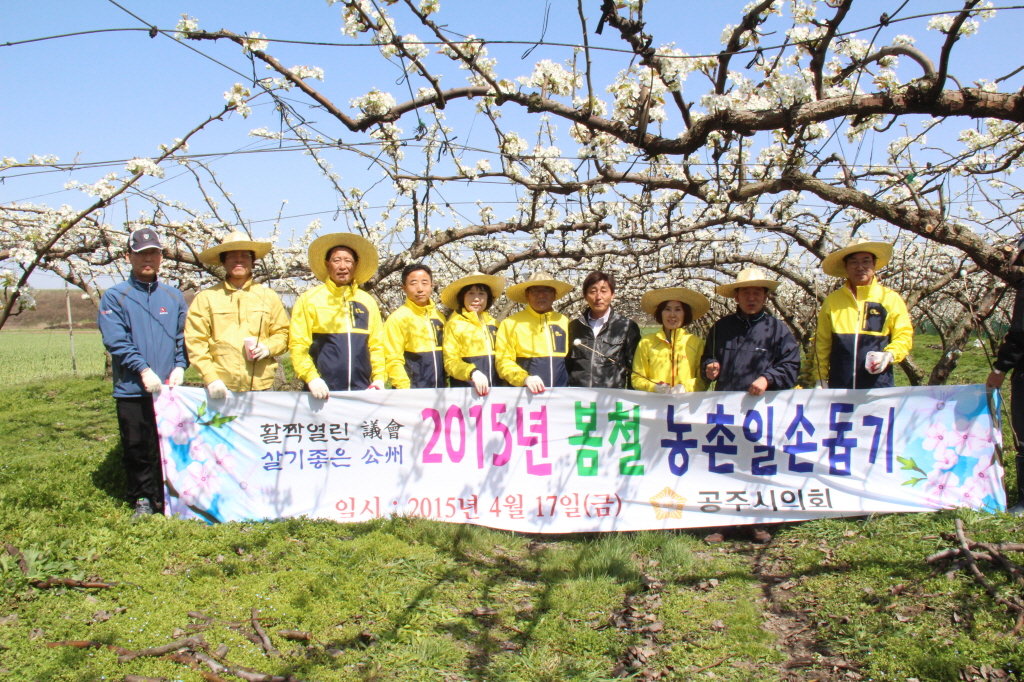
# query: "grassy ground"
412 599
33 355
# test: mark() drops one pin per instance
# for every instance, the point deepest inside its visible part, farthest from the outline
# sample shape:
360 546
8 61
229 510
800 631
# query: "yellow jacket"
412 346
675 363
220 318
337 336
469 340
849 327
529 343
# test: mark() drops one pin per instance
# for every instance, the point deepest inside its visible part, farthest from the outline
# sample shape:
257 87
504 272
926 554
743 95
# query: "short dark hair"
598 276
687 312
330 252
224 254
409 269
461 298
850 255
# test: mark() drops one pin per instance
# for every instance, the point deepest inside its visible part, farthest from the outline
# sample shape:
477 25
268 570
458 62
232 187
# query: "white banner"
579 460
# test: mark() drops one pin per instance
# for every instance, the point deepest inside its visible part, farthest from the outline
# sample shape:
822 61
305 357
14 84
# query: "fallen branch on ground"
264 640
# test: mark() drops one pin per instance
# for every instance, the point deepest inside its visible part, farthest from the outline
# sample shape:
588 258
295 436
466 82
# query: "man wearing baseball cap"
750 350
143 326
531 345
863 327
1010 356
235 330
337 338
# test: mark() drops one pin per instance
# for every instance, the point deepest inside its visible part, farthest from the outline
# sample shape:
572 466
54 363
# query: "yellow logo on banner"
668 505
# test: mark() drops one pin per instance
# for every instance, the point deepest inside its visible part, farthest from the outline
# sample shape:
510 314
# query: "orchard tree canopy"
619 149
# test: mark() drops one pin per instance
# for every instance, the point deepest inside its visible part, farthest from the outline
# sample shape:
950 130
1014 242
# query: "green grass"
32 355
393 599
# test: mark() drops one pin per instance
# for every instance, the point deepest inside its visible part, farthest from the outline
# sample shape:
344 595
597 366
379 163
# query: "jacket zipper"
433 342
856 338
490 349
348 338
551 350
592 353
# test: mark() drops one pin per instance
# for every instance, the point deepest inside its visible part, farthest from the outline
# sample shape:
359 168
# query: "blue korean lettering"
753 429
840 447
716 439
800 425
679 447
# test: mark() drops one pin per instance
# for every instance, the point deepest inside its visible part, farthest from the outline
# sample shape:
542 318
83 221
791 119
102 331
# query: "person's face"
540 298
341 266
599 297
475 299
418 286
238 265
860 268
672 315
146 263
751 300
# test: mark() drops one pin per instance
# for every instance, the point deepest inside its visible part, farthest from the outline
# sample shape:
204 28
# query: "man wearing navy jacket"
143 326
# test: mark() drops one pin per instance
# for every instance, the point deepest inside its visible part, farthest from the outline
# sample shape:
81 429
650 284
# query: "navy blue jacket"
143 325
752 347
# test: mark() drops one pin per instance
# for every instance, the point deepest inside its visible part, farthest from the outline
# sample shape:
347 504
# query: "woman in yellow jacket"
235 330
668 360
470 332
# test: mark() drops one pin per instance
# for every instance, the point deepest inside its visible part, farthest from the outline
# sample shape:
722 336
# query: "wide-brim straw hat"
236 241
747 277
517 292
834 266
698 302
366 255
450 295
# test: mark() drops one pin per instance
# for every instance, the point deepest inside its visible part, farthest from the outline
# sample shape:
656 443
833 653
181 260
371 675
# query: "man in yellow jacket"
337 338
235 330
531 345
413 334
864 327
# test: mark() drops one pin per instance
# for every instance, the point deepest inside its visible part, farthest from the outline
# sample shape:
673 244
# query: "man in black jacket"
614 337
750 350
1010 356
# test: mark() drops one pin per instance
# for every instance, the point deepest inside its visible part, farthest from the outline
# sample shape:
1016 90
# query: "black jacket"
617 339
1011 352
748 348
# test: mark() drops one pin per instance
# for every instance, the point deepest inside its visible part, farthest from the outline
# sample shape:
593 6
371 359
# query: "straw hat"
366 255
833 264
698 302
517 292
748 277
450 295
236 241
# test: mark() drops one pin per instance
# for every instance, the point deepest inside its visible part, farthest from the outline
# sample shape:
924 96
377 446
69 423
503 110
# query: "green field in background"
31 355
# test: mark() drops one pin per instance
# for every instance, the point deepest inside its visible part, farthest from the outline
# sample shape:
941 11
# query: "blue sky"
119 95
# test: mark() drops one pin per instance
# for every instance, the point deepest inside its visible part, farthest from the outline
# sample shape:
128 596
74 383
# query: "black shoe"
143 507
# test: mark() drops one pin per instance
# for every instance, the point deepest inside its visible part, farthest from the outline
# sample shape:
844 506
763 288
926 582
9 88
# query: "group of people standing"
338 341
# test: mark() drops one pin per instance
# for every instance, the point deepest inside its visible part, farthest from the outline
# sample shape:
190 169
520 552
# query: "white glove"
177 377
534 383
318 388
150 381
217 390
480 382
822 384
377 385
677 389
877 361
662 388
255 351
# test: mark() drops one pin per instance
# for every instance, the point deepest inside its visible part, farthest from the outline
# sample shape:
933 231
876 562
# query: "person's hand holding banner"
217 390
318 388
480 382
377 385
535 384
677 389
662 388
177 377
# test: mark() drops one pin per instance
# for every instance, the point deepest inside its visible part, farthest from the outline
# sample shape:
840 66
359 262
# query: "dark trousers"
1017 423
137 424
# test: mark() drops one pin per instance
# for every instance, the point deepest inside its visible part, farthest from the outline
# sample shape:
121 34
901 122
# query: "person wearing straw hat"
1010 357
863 327
414 333
337 338
235 330
668 360
532 344
750 350
601 343
469 334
